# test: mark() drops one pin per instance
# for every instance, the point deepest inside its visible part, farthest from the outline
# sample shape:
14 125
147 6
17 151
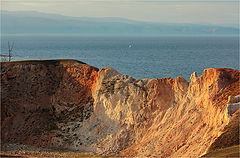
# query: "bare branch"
12 46
8 45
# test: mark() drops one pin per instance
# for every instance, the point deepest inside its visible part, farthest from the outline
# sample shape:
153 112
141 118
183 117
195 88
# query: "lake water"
140 57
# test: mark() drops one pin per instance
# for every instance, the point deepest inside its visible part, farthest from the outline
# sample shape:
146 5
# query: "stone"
233 104
73 106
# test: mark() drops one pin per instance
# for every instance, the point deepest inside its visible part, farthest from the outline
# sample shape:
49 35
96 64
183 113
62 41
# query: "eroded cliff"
36 95
71 105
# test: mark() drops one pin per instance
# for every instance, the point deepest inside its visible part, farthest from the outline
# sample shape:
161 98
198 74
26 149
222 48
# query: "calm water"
147 57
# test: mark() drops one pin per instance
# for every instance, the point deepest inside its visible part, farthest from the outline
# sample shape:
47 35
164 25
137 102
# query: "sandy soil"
20 150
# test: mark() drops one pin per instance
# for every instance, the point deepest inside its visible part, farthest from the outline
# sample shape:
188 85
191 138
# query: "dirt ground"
20 150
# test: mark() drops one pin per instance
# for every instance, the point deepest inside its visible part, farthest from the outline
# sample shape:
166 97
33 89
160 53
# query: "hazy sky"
187 11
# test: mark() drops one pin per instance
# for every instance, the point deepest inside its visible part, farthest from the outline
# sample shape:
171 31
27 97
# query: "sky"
220 12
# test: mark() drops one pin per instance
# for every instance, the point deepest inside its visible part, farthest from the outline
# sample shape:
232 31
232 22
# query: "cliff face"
36 95
71 105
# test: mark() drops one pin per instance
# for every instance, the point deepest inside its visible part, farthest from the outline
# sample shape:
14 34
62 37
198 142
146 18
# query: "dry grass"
28 153
232 151
21 150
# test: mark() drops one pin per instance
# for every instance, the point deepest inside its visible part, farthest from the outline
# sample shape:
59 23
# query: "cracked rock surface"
69 105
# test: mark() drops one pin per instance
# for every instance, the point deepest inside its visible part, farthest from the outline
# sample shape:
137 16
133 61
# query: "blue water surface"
140 57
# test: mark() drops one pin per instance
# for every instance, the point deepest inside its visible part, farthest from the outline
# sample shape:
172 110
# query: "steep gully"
67 104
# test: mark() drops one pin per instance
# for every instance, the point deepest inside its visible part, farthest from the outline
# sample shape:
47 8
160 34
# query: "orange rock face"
193 119
71 105
36 94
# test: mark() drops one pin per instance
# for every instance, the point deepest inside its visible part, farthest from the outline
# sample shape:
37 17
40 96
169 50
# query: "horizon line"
223 25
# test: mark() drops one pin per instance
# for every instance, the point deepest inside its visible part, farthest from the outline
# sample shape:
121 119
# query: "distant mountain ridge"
31 22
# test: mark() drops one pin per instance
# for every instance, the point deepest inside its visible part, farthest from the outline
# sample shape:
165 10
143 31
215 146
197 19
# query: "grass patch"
232 151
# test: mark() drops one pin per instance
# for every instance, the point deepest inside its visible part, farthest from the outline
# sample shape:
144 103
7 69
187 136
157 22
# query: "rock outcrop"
35 95
71 105
233 104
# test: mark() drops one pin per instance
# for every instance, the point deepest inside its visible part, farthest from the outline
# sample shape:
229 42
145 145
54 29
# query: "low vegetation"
232 151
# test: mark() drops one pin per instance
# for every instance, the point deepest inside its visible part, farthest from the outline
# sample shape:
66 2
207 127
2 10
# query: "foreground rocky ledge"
69 105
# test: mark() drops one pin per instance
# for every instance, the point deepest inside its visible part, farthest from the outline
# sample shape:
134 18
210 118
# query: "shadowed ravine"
67 105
